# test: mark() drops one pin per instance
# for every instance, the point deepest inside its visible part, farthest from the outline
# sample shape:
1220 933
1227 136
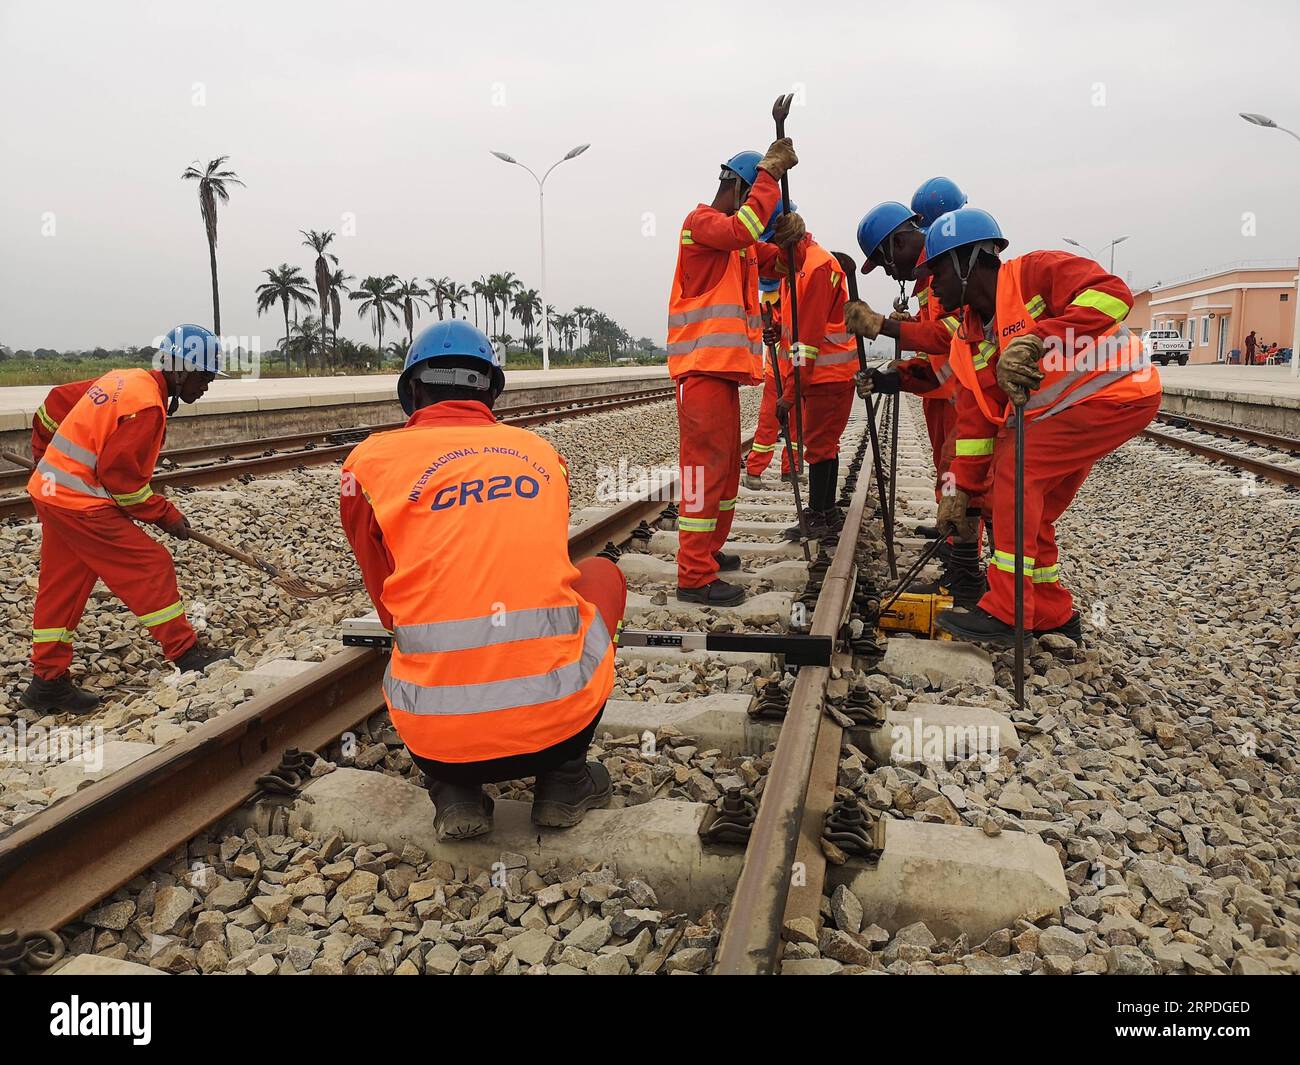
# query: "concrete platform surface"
657 841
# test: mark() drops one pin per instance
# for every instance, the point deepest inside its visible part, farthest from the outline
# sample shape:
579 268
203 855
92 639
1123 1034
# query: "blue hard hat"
776 217
937 196
744 165
442 340
769 284
877 224
956 229
190 347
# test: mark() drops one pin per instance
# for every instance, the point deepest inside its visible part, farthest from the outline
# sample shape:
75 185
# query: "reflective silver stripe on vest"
67 480
837 357
704 314
1049 396
944 372
438 636
74 451
414 698
839 338
714 340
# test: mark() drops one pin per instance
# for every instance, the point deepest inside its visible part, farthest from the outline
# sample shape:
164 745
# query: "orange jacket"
1077 309
825 349
929 333
713 317
96 443
460 526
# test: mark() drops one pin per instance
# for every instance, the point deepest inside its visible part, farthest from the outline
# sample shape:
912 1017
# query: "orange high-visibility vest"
719 331
1114 366
494 653
835 358
932 310
67 475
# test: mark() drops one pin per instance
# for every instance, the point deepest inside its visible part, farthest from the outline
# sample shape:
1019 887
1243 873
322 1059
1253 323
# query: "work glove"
1018 372
952 518
771 335
899 316
783 406
178 527
789 230
780 157
859 318
874 382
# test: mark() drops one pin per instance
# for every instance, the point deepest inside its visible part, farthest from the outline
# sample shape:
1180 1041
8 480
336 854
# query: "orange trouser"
708 425
767 434
79 547
940 423
826 410
1059 453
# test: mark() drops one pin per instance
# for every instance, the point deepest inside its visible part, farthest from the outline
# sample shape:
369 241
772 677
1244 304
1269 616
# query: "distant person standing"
1250 348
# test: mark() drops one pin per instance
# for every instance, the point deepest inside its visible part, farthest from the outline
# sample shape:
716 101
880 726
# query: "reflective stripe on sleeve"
44 418
1035 305
1107 304
975 446
686 237
130 499
750 221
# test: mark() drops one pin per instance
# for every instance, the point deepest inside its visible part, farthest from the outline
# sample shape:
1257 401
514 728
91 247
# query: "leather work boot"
1072 629
59 695
461 811
717 593
726 562
978 626
198 658
793 533
749 480
944 555
966 581
563 795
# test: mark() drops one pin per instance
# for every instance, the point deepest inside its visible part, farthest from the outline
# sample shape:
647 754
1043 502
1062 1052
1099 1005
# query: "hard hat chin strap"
964 275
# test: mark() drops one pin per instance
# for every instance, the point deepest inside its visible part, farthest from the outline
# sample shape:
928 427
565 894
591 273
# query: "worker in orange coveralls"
503 649
95 444
768 437
892 236
715 345
1044 330
828 360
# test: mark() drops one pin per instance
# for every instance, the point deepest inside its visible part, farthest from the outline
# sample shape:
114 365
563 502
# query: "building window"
1205 331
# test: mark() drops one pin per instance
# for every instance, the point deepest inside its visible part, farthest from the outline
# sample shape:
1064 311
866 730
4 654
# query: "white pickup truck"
1166 346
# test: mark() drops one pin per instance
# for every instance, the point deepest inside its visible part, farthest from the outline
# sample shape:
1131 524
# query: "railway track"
207 464
741 843
1267 455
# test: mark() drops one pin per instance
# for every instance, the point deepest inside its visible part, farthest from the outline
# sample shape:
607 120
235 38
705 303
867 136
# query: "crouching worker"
503 651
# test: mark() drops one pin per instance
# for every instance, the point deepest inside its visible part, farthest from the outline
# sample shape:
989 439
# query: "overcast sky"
1087 120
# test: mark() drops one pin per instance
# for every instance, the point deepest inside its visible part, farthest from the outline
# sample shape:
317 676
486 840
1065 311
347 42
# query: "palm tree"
480 288
305 336
439 287
564 327
409 297
502 287
338 283
212 181
458 296
527 306
318 242
283 285
583 316
378 298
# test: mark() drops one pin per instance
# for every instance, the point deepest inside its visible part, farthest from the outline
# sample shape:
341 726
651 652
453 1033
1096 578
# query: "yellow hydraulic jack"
915 612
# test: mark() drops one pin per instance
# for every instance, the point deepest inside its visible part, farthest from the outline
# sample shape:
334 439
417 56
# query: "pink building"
1218 308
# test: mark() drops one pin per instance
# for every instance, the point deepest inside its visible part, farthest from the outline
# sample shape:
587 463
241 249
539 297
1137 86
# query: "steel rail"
1268 470
220 472
752 936
1235 432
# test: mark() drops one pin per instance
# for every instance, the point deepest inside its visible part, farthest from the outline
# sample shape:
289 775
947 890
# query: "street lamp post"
541 222
1117 240
1263 120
